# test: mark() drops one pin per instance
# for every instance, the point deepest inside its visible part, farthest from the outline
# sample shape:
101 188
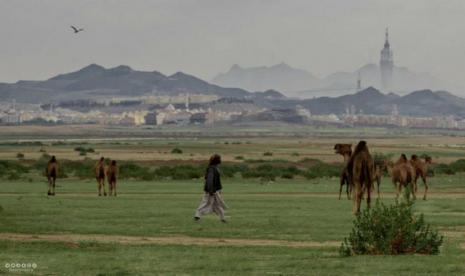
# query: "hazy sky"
204 37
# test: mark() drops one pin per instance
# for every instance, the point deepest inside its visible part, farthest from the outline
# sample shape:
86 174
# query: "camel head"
428 159
343 149
402 159
388 165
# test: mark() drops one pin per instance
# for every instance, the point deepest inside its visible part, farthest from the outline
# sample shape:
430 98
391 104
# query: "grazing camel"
112 174
361 169
378 175
100 176
402 174
421 170
346 151
51 172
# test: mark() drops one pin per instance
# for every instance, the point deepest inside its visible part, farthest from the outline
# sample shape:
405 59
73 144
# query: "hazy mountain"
94 81
279 77
302 84
372 101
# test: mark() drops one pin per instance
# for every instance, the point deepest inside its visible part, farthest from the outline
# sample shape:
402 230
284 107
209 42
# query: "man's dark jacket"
212 180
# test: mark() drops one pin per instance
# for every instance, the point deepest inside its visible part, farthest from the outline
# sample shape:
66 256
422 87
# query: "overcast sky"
204 37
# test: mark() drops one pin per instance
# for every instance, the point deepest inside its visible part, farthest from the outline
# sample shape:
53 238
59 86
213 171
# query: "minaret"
359 82
386 65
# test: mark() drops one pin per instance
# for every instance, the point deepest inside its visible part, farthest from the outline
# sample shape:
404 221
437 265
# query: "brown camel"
51 172
100 176
402 174
421 170
346 151
361 170
378 175
112 174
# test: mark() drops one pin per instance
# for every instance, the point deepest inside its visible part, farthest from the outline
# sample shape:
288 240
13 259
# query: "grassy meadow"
281 227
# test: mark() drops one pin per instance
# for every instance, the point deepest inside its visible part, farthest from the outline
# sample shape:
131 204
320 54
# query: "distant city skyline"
204 38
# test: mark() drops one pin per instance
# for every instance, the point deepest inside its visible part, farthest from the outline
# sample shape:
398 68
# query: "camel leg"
53 185
426 187
340 188
357 198
99 187
398 189
369 187
103 187
114 188
378 182
49 186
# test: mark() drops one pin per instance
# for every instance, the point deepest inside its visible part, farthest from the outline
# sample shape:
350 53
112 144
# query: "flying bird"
76 30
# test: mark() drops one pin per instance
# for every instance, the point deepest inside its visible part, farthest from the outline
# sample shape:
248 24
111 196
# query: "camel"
378 175
112 174
346 151
361 169
51 171
421 170
402 174
100 176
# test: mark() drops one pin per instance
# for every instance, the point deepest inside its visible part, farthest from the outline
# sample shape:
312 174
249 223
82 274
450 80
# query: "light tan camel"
346 151
421 170
112 175
100 176
52 173
361 169
402 174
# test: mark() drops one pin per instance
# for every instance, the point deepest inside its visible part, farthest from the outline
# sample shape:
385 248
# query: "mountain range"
422 103
96 82
302 84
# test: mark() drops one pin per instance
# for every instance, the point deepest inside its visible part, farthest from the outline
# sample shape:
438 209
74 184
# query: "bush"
12 169
180 172
83 151
268 153
176 151
239 157
321 169
390 230
20 155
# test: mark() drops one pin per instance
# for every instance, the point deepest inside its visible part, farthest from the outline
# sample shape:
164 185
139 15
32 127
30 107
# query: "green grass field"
286 210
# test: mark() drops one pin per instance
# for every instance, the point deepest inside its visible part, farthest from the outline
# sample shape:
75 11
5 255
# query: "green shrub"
390 230
380 158
230 170
443 169
20 155
180 172
321 169
268 153
176 151
239 157
82 150
12 169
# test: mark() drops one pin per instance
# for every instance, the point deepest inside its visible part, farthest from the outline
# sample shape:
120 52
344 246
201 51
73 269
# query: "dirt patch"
176 240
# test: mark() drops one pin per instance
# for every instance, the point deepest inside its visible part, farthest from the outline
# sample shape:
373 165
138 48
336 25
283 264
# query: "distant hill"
302 84
371 101
95 81
279 77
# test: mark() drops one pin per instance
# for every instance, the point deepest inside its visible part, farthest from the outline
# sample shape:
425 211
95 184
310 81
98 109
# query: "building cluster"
224 109
446 122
